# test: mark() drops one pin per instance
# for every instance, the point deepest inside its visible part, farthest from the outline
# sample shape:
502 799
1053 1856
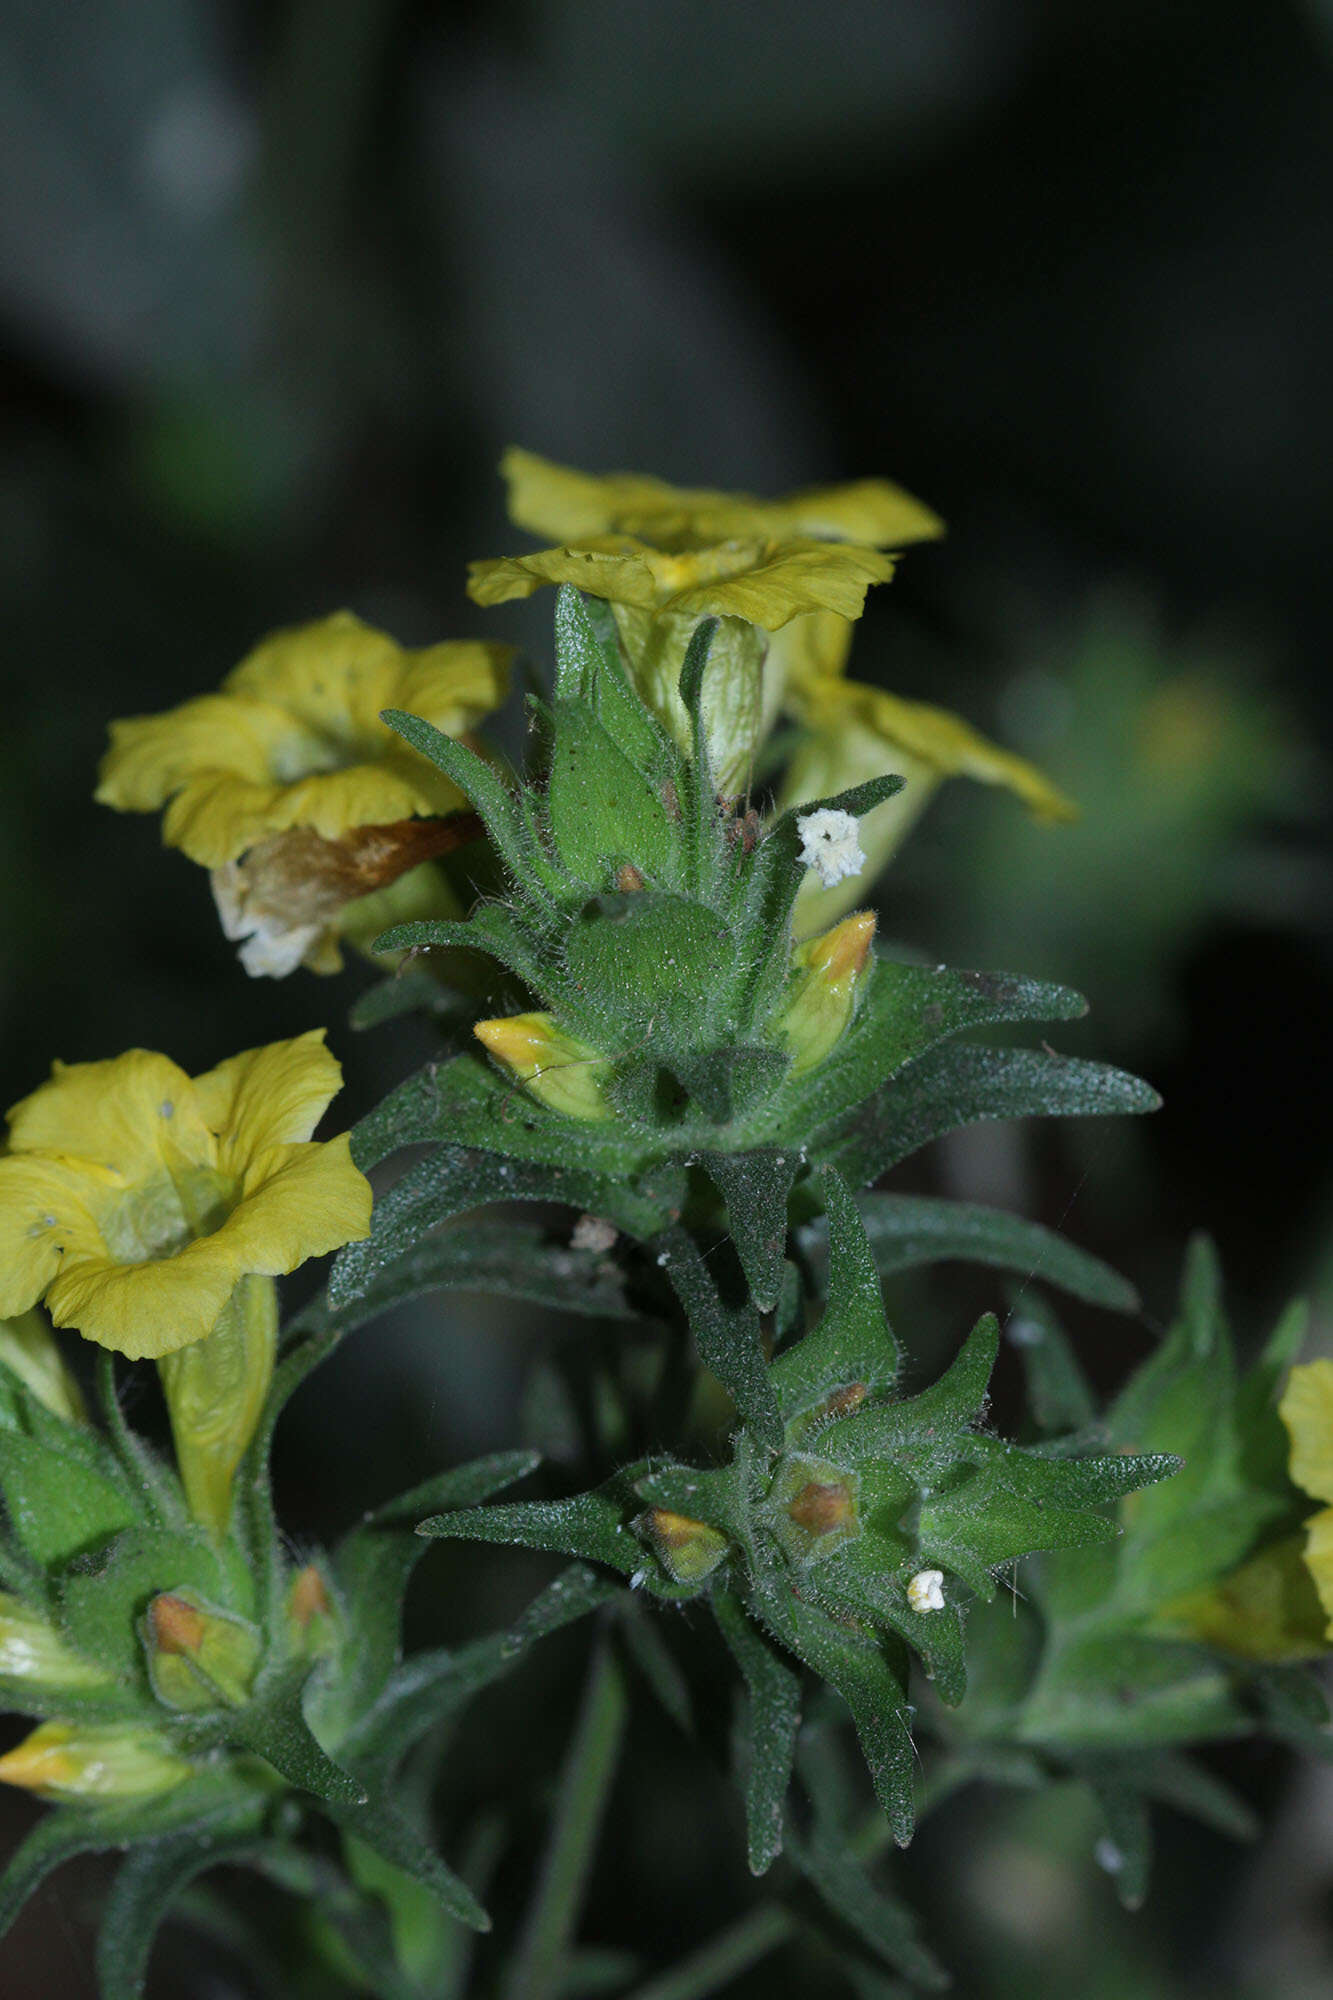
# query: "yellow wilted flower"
134 1198
852 732
1307 1411
287 786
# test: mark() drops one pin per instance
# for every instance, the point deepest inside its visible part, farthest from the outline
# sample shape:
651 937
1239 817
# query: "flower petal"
152 756
1307 1411
149 1309
41 1217
298 1202
266 1097
125 1116
1319 1559
555 500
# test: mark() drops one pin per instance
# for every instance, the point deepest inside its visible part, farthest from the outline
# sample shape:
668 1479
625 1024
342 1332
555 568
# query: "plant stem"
585 1783
134 1455
724 1958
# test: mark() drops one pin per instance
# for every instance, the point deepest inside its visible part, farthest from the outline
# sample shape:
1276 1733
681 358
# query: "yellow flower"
554 500
288 786
851 733
1307 1411
134 1198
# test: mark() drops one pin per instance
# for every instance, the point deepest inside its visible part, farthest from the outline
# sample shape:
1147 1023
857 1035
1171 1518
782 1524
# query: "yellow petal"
127 1115
271 1096
764 583
808 650
152 756
556 1067
298 1202
149 1309
555 500
41 1215
215 818
1319 1559
295 739
1307 1411
28 1349
859 717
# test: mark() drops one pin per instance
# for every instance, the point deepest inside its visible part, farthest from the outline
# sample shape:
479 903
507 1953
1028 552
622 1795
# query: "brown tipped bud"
309 1599
198 1657
688 1550
822 1506
813 1507
843 1401
628 878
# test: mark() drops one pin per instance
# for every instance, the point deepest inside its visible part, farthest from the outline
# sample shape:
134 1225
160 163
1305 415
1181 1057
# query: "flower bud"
198 1657
28 1349
814 1508
215 1392
821 990
559 1071
311 1622
687 1550
31 1650
83 1761
738 705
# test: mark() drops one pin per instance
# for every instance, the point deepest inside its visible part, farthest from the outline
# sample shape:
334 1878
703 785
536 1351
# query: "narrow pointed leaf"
727 1336
146 1885
756 1187
909 1230
772 1718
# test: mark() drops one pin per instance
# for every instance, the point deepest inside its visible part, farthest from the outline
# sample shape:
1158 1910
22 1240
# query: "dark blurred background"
280 281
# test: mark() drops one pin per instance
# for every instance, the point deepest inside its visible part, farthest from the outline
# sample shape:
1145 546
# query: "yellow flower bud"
821 990
78 1761
687 1550
558 1070
31 1650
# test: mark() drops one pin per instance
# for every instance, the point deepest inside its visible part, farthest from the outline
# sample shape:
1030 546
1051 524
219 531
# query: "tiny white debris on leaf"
925 1592
592 1232
829 845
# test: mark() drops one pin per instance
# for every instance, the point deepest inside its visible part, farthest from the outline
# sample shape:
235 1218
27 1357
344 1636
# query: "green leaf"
773 1716
511 1260
588 669
102 1599
654 1659
57 1504
202 1802
909 1230
957 1400
1126 1851
504 815
429 1688
147 1884
727 1335
462 1486
491 929
755 1187
1058 1393
961 1084
456 1179
591 1525
409 990
378 1823
882 1922
857 1668
603 809
853 1342
274 1726
905 1010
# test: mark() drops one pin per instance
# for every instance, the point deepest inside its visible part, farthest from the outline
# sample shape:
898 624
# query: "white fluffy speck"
925 1592
829 845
